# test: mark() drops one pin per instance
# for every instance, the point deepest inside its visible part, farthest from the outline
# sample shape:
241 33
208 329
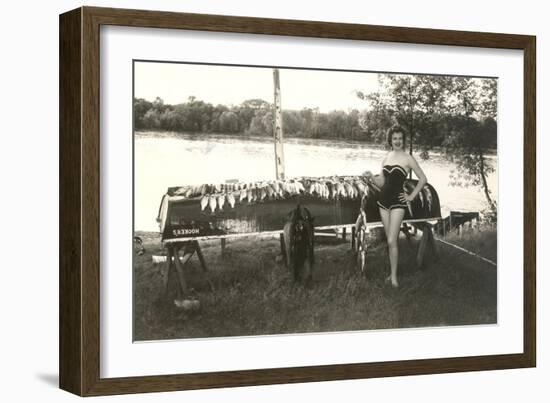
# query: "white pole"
278 128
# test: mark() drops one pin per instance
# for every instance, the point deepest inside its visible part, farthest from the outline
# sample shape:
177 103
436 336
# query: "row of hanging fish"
218 197
425 196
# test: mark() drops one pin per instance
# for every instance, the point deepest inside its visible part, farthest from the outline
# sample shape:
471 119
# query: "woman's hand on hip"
405 198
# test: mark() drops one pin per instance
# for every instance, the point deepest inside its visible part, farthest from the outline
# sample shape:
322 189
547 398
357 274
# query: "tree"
456 113
262 123
229 122
151 120
141 106
412 101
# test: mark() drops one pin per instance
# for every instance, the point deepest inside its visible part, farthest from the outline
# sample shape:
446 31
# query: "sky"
231 85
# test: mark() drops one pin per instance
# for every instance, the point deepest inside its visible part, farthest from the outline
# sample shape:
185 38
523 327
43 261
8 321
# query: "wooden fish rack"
184 224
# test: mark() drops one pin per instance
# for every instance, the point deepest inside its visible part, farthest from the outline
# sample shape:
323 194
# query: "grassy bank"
249 292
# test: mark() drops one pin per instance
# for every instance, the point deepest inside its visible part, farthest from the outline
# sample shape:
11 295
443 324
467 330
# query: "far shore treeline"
253 117
455 115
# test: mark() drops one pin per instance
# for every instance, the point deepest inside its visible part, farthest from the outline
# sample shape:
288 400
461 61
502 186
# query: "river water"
163 160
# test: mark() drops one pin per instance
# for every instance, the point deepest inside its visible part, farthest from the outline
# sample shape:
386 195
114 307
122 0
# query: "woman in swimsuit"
393 200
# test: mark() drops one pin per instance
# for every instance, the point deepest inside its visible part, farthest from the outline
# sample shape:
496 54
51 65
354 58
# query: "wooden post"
353 237
197 249
422 248
431 241
278 128
223 246
179 268
283 248
168 272
344 233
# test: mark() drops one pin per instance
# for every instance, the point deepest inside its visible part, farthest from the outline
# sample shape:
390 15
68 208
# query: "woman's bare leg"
385 216
395 220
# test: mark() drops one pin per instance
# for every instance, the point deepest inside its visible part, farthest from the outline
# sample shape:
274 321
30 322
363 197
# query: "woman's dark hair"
396 129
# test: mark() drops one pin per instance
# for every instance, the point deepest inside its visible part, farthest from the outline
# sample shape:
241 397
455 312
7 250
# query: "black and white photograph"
270 200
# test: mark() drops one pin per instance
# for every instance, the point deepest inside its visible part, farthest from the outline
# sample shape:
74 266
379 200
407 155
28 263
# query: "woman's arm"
422 180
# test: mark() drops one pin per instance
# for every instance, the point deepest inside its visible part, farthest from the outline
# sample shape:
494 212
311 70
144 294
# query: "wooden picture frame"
80 199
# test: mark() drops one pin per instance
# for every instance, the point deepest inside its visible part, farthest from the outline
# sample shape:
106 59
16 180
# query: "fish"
204 202
330 193
421 197
281 189
319 189
212 203
242 195
230 199
367 190
180 191
313 188
203 190
285 187
221 201
263 193
217 188
189 192
300 187
290 188
360 187
249 195
349 190
337 189
269 191
429 197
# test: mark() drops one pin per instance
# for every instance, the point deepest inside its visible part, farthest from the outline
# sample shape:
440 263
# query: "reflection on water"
162 161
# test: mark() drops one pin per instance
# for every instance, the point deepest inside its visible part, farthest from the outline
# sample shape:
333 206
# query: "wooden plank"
271 233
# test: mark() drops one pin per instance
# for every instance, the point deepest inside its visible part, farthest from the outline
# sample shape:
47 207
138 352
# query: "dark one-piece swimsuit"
394 177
